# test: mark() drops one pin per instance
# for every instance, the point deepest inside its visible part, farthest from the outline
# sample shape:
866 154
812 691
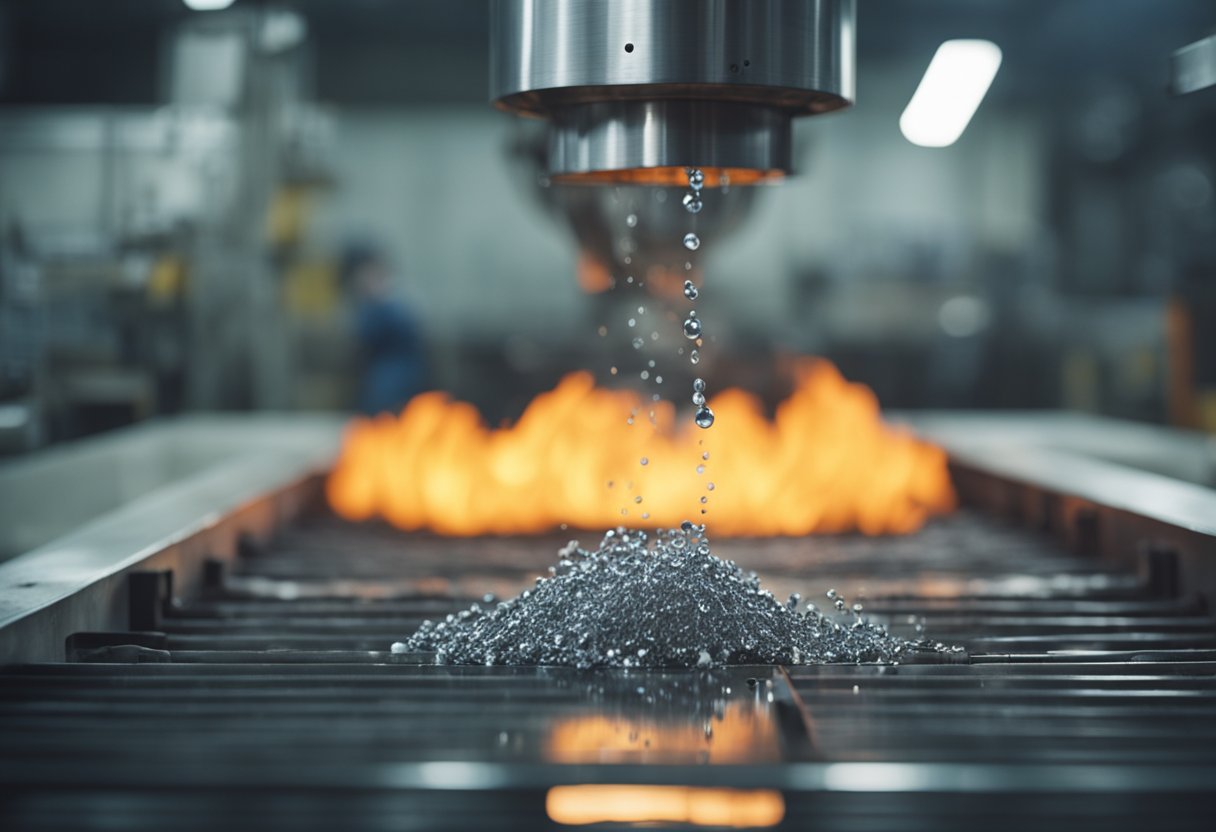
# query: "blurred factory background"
180 190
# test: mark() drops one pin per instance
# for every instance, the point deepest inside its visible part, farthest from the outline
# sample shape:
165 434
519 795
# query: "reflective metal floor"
1087 699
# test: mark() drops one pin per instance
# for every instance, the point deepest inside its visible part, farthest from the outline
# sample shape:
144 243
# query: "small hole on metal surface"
629 47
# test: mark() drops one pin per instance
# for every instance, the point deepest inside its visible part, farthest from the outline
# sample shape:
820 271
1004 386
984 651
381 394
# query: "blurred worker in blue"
391 346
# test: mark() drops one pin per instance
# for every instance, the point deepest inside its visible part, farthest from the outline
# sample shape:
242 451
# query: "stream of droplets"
662 601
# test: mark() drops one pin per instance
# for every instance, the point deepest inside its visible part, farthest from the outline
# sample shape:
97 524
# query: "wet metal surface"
1086 699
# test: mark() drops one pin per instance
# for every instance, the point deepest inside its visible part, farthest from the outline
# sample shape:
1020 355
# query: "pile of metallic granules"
662 601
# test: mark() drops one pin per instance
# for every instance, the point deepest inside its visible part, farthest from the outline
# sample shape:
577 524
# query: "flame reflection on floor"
732 808
825 462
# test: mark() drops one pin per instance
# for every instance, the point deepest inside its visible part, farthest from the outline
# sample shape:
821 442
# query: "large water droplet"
691 241
698 384
692 203
690 290
705 417
692 329
698 398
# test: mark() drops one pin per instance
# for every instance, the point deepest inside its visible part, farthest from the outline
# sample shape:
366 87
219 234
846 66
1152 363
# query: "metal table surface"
1086 698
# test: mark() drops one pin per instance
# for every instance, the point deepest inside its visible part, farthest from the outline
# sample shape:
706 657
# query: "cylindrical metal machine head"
639 90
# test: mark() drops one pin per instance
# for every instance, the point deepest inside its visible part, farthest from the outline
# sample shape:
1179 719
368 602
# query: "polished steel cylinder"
638 90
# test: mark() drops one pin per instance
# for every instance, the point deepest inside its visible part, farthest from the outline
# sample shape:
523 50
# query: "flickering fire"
825 462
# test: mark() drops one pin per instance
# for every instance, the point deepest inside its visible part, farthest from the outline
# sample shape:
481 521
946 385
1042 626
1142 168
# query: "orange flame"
825 463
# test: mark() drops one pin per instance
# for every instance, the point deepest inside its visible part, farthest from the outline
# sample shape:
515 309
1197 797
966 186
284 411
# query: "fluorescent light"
955 83
208 5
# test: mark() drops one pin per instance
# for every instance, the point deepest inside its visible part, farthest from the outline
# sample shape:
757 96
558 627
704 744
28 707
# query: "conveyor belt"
1086 699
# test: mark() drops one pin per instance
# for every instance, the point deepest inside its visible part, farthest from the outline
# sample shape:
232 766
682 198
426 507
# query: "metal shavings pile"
666 602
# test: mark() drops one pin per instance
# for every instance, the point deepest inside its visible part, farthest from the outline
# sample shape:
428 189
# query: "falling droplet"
633 322
638 342
709 487
645 374
692 329
692 202
698 384
603 330
691 241
694 357
705 417
631 220
645 461
698 398
696 179
690 290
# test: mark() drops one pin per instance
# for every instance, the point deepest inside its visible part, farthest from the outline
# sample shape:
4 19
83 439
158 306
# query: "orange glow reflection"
825 463
578 805
740 735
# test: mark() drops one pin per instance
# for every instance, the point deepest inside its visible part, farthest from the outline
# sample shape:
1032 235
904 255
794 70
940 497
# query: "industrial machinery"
638 90
215 653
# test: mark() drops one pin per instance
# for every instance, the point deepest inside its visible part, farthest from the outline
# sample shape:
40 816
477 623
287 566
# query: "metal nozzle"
637 90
